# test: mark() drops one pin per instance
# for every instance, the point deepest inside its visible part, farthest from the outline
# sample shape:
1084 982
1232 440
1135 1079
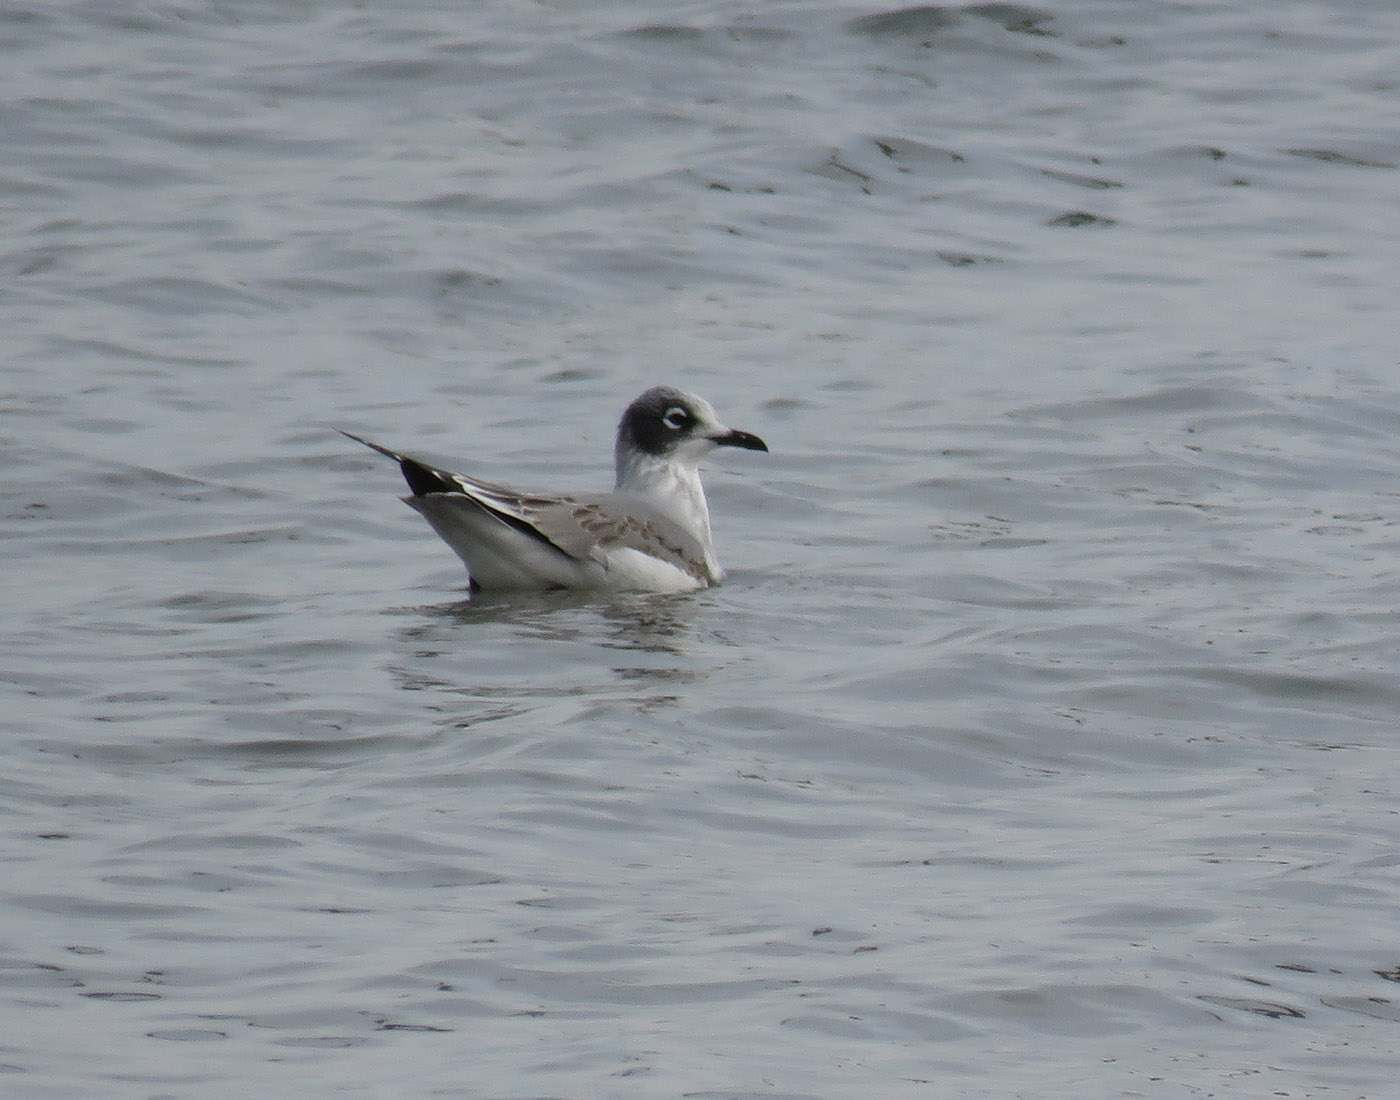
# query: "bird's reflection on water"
655 623
512 655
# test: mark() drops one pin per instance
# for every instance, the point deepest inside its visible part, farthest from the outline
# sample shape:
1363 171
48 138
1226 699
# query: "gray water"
1043 740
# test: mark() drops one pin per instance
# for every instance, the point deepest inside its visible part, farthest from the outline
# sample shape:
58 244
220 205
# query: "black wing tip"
422 479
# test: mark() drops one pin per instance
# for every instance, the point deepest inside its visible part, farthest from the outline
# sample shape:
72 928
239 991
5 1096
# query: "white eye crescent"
676 418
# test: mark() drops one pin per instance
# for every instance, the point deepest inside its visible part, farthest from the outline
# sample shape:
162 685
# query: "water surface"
1042 741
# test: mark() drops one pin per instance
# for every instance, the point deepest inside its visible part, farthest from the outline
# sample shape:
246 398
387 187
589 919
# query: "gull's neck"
671 486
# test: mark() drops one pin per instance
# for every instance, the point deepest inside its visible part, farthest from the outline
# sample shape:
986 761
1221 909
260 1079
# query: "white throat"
671 486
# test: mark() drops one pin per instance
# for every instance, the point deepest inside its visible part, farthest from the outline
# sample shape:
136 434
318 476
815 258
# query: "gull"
650 534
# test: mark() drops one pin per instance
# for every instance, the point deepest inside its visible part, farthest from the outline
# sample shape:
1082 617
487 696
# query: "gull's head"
667 425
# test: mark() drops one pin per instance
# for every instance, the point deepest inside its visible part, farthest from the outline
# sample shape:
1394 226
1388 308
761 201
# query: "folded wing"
513 539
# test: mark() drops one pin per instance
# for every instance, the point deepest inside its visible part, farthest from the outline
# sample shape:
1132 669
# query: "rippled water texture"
1043 740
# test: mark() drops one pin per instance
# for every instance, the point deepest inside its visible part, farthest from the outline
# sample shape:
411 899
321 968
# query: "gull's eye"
676 418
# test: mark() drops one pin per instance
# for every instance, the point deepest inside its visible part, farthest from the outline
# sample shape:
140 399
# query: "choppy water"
1043 742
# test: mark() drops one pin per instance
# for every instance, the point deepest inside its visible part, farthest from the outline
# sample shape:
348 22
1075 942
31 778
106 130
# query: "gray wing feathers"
572 537
591 527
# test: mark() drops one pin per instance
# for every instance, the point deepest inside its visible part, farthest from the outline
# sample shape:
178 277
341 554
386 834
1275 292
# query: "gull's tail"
372 446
